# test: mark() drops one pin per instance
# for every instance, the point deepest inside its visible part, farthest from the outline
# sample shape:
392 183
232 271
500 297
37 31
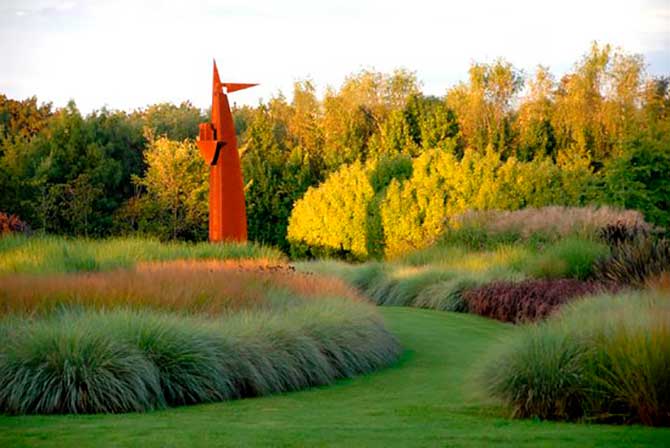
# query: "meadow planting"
177 332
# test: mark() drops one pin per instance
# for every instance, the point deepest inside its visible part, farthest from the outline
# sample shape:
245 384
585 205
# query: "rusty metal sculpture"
218 146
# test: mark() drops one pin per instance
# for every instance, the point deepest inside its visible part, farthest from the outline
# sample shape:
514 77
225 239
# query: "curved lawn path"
423 401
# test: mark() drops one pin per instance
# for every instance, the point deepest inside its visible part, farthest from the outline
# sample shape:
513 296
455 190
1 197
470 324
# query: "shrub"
527 300
603 359
341 217
637 179
331 219
12 224
571 257
635 262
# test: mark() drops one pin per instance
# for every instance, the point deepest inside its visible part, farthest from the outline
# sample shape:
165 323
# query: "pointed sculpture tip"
216 80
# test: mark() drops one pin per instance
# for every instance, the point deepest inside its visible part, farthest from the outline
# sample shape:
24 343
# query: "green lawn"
423 401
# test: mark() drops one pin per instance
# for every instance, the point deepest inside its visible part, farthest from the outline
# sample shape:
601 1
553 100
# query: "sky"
127 54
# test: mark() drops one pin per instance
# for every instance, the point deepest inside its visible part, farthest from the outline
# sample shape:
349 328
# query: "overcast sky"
127 54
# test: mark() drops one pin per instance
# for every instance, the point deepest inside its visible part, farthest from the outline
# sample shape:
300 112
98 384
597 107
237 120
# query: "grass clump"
605 358
527 300
447 295
636 261
63 365
568 258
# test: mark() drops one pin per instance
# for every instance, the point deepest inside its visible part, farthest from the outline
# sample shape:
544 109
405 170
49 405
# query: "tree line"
603 130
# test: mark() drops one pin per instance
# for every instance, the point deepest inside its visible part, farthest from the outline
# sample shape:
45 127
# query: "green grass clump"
50 254
447 295
88 361
70 365
571 257
605 358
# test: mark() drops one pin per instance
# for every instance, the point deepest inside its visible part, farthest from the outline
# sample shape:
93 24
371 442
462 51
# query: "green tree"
536 134
639 178
176 189
171 121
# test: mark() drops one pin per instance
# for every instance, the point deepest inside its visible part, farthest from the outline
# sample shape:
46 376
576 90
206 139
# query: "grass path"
423 401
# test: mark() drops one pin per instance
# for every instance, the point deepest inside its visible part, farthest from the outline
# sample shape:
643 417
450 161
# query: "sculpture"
218 145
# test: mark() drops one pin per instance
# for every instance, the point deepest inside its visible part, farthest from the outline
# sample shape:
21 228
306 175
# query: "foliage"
527 300
603 359
597 135
276 174
72 174
176 192
331 220
12 224
172 122
637 179
414 213
341 217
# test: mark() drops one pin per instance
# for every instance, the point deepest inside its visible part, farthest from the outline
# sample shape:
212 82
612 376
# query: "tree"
536 134
639 178
176 190
171 121
484 105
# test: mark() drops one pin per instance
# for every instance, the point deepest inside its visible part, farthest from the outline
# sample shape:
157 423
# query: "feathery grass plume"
210 287
604 358
489 228
635 262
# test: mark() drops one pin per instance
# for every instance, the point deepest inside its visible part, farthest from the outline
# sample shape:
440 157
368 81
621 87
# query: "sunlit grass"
49 254
209 287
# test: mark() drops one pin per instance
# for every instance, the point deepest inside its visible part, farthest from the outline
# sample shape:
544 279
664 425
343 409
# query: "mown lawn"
425 400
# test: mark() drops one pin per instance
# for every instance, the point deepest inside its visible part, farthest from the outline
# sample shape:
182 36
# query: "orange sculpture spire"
218 145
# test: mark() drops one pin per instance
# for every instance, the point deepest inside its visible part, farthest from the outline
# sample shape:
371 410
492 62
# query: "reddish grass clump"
526 301
203 287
